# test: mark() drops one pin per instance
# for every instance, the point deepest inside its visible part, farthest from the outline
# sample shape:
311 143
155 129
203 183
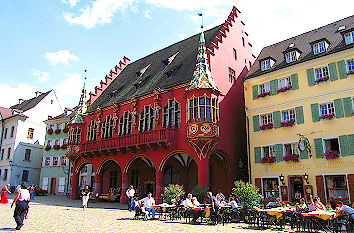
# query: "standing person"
4 199
22 199
32 192
297 196
215 205
130 194
85 196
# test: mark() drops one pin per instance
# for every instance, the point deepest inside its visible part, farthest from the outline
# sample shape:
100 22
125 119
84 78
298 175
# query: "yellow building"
299 105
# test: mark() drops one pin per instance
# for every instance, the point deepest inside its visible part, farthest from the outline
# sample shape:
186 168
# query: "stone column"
123 197
74 186
159 186
97 185
203 172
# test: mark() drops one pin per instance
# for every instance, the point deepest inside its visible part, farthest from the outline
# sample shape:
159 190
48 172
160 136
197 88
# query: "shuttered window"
257 154
299 115
342 69
348 106
333 71
294 81
319 147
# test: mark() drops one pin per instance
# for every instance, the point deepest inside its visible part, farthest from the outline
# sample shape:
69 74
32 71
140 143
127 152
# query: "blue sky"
47 44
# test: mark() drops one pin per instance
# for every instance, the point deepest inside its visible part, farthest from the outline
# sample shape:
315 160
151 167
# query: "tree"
200 192
247 193
171 191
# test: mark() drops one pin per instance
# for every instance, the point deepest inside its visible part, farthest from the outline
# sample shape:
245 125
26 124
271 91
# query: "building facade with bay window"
173 117
299 105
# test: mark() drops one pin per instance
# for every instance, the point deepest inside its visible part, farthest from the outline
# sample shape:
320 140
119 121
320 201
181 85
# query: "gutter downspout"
248 149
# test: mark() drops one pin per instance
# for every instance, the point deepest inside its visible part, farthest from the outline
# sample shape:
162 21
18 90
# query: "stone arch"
171 154
132 159
220 171
104 163
109 177
80 165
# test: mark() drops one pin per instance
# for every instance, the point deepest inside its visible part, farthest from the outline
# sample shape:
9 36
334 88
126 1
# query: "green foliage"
171 191
247 193
200 192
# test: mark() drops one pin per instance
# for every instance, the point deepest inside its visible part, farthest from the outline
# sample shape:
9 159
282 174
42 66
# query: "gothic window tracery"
172 114
91 131
74 136
203 108
147 119
107 128
125 124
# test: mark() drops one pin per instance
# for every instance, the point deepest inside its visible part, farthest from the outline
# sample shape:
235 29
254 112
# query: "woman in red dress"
4 199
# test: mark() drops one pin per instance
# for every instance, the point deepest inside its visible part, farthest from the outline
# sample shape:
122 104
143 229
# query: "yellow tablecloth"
163 206
321 214
278 212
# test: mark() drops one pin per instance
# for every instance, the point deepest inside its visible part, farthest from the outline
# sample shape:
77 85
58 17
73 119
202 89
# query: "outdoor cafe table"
164 207
278 212
322 214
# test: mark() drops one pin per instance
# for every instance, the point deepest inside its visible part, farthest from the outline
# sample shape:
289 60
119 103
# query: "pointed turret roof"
82 107
202 75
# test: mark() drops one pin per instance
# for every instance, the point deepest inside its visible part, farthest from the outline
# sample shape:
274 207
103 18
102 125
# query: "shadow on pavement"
7 229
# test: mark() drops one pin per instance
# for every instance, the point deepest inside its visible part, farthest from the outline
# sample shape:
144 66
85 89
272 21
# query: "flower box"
64 146
350 72
50 131
65 130
332 154
284 89
48 148
291 158
270 159
266 126
57 131
56 147
288 123
323 79
328 116
263 94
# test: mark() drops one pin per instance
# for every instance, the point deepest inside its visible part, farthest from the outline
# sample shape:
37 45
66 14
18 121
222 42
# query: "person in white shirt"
22 199
233 204
148 202
195 201
220 196
130 194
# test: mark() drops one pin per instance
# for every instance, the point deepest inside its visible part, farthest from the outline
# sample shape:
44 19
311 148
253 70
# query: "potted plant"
327 116
50 131
322 79
200 192
64 146
268 159
332 154
48 147
171 191
266 126
263 94
291 158
288 123
56 147
247 193
284 89
57 131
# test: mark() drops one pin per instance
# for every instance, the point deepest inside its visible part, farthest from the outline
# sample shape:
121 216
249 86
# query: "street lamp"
282 178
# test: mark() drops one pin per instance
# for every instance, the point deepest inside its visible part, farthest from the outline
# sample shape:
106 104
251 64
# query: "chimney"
20 101
50 117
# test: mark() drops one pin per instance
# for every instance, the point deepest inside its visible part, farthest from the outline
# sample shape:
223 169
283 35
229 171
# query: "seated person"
188 204
135 203
316 205
344 209
195 201
302 207
273 202
138 208
233 204
221 201
177 201
332 202
220 196
148 202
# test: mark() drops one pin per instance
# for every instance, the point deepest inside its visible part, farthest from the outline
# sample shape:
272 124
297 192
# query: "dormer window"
292 56
267 64
349 37
169 60
320 47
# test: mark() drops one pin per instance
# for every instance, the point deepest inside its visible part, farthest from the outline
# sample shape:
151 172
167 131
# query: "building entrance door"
53 185
296 186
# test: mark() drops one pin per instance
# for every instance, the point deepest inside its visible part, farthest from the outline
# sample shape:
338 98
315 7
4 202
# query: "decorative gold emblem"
216 129
205 128
68 149
193 128
77 149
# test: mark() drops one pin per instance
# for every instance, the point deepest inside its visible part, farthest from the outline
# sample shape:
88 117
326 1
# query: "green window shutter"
348 106
274 87
310 77
304 154
342 69
294 82
315 112
338 106
279 152
276 119
333 71
299 111
343 141
255 91
256 123
319 147
257 154
351 144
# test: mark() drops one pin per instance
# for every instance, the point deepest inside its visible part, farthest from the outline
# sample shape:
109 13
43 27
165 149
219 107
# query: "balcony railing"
167 136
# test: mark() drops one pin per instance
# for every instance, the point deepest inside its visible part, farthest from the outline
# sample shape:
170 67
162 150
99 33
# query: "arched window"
125 124
147 119
172 114
107 127
74 136
91 131
203 108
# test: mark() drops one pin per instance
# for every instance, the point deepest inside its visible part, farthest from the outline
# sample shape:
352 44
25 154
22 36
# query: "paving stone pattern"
59 214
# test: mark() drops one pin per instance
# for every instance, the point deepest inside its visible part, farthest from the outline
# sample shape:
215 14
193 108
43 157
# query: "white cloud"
9 95
61 56
147 14
100 12
41 76
72 3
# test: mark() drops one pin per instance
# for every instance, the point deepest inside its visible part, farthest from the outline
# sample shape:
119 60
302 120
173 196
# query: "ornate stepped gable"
202 74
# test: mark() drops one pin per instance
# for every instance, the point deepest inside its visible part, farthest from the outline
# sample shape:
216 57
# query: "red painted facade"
148 159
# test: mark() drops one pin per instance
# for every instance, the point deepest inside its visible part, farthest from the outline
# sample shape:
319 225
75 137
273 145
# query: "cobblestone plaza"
59 214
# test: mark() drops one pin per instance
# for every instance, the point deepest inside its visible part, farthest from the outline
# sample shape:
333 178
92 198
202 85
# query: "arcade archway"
219 172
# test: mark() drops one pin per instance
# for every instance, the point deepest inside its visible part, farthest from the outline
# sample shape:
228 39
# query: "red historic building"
175 116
